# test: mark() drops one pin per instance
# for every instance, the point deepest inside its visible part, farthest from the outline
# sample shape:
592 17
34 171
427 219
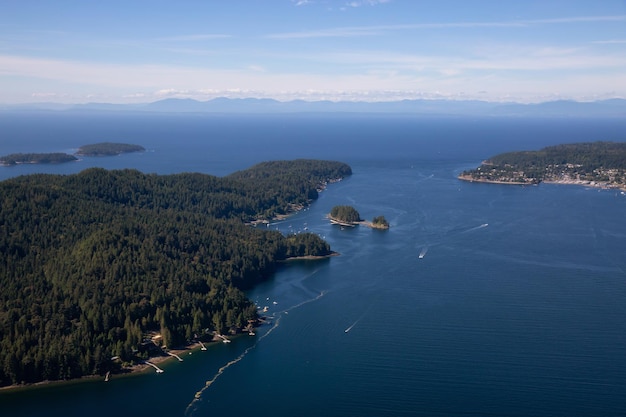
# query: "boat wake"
358 320
482 226
423 252
192 407
350 328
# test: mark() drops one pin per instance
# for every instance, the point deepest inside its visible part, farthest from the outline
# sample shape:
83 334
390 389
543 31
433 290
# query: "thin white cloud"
331 33
497 56
41 95
170 92
194 38
135 95
578 19
610 42
352 31
505 70
353 4
359 3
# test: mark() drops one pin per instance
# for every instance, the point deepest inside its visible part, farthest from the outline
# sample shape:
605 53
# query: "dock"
158 370
340 223
175 355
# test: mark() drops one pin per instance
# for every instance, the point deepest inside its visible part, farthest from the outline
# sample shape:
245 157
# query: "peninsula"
594 164
102 270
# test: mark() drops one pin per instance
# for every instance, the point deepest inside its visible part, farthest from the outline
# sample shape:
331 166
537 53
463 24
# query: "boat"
423 252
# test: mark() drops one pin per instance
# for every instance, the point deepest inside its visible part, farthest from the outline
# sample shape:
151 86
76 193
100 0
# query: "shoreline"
371 225
592 184
486 181
310 257
131 371
584 183
354 224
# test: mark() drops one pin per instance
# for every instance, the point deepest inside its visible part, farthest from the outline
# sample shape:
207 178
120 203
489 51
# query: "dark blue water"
515 309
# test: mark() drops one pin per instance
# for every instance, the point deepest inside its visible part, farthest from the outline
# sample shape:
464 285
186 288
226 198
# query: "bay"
515 309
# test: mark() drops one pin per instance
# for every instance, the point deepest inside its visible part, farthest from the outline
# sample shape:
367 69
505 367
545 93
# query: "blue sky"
373 50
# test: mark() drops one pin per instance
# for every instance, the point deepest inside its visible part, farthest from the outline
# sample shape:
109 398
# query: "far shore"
593 184
472 179
585 183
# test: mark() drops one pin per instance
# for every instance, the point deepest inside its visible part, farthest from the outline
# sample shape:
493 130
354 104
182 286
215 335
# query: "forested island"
96 149
108 149
36 158
349 216
598 164
102 268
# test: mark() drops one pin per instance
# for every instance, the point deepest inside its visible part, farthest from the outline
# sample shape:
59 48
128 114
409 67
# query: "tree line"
92 263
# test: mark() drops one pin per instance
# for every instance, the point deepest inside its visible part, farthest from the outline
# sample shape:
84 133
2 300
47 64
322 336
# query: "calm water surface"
516 307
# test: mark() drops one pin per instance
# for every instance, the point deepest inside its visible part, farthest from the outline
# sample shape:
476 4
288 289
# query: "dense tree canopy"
380 222
93 262
347 214
108 149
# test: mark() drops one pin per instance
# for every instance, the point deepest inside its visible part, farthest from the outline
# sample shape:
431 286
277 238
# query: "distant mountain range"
564 108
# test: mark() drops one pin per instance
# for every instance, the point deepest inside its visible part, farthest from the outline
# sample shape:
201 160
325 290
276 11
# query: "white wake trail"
191 408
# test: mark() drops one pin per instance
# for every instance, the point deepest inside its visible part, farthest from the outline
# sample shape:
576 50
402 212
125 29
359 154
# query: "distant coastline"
592 164
36 158
585 183
469 178
97 149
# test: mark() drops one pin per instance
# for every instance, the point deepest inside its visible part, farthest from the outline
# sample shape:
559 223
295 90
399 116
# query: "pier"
175 355
158 370
340 223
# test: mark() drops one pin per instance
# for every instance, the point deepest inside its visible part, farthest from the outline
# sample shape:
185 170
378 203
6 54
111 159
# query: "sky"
136 51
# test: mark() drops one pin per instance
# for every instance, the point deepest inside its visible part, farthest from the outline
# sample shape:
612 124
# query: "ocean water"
516 306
